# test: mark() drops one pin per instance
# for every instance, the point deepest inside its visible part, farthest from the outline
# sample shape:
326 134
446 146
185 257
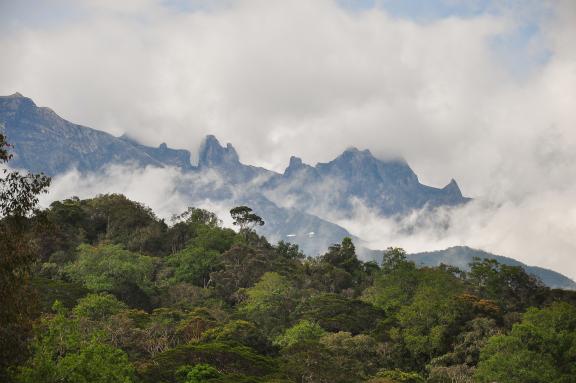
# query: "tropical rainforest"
101 290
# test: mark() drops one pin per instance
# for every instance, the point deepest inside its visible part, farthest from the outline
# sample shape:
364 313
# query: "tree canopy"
125 297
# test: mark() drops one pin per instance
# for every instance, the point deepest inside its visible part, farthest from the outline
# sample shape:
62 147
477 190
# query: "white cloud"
538 230
278 78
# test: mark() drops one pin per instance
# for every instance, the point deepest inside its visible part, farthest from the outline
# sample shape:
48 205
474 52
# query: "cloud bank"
486 96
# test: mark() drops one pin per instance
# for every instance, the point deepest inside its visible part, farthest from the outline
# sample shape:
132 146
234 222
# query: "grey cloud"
281 78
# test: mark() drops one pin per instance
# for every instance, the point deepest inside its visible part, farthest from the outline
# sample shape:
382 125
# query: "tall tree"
245 219
18 200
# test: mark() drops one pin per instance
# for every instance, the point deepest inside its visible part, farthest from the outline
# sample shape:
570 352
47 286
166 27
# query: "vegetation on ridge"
101 290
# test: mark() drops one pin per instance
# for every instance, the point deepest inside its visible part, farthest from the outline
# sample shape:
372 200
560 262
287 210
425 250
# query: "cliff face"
293 204
387 187
45 142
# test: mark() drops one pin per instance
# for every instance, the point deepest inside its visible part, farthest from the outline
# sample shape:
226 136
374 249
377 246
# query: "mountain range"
294 204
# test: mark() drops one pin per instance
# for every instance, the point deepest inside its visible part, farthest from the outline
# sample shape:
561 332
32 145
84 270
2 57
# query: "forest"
102 290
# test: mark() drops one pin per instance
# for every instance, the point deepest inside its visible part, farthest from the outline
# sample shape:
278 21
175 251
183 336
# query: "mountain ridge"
461 256
292 203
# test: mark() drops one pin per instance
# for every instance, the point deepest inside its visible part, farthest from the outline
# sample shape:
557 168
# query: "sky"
483 91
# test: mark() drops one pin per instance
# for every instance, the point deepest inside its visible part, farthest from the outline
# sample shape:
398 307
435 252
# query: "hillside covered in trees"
101 290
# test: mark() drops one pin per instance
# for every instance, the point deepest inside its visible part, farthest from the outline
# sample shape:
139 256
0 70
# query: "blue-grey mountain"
462 256
297 205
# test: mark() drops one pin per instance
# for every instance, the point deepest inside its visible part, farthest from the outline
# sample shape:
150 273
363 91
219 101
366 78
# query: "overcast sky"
481 91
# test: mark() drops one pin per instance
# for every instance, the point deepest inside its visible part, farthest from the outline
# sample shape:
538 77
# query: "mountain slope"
389 187
45 142
462 256
293 203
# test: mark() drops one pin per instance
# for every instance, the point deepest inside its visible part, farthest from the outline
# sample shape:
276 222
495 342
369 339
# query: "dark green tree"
18 200
244 218
541 348
343 256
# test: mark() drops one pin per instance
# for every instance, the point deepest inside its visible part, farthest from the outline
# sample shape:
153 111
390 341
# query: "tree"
197 216
98 306
269 302
197 374
131 224
110 268
302 332
194 265
242 332
395 285
343 256
244 218
289 250
242 267
541 348
459 364
335 312
18 192
359 356
18 199
426 324
64 351
397 376
510 286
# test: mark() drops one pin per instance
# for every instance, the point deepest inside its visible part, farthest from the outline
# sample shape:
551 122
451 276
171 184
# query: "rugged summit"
225 160
388 187
293 204
45 142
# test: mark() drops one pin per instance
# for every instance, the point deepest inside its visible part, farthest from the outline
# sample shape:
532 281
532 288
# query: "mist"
484 96
536 231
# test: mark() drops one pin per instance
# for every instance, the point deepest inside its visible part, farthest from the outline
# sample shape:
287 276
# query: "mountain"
297 205
225 160
45 142
179 158
462 256
294 204
388 187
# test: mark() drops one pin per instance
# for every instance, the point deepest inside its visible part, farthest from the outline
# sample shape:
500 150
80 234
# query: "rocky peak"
296 166
16 101
453 188
295 162
362 164
214 154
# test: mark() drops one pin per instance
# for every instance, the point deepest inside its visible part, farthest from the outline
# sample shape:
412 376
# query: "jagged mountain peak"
453 188
16 101
295 162
212 153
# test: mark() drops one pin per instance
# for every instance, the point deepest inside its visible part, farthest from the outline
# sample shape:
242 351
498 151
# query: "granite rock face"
293 203
45 142
179 158
387 187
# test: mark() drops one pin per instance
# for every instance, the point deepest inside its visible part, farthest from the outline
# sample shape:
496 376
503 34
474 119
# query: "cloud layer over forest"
486 97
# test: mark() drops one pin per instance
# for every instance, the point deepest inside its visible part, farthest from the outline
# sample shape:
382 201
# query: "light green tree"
108 267
541 348
63 351
269 302
194 265
98 306
197 374
302 332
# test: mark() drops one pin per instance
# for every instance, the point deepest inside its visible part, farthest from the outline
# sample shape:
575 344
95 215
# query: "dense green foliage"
125 297
18 250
